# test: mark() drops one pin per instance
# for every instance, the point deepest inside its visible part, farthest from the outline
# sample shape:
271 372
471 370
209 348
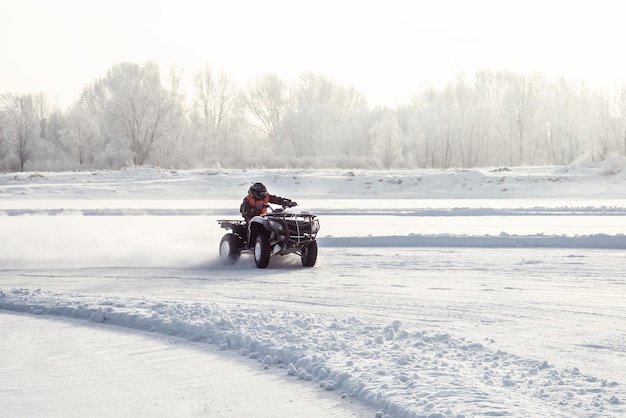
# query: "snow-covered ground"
495 292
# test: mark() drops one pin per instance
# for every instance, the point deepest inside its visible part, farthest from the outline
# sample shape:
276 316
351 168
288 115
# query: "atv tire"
230 248
309 254
262 251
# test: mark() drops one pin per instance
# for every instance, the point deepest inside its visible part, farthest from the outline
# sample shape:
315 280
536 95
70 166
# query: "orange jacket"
251 207
254 204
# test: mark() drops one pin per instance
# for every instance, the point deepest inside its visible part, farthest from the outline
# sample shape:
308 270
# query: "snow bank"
588 181
391 368
504 240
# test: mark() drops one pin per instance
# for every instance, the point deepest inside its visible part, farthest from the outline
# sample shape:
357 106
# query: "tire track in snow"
381 366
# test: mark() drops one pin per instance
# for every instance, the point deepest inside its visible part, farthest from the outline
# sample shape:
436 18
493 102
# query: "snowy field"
460 293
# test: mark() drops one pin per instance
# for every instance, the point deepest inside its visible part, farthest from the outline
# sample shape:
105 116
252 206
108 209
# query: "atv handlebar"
285 205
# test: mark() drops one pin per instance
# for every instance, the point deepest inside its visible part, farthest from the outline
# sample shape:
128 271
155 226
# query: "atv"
276 232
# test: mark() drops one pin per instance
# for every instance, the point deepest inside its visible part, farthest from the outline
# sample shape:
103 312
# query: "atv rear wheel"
230 248
262 251
309 254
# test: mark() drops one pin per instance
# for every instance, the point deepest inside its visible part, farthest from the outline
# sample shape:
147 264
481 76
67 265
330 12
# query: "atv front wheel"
262 250
230 248
309 254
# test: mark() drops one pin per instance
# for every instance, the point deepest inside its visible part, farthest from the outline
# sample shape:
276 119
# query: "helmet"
258 191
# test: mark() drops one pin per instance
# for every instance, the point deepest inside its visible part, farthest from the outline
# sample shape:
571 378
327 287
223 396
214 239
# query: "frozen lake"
339 218
456 307
131 231
32 240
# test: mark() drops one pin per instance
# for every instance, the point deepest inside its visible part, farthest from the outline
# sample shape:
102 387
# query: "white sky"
387 49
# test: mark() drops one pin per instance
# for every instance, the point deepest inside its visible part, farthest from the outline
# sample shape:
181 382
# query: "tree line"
135 116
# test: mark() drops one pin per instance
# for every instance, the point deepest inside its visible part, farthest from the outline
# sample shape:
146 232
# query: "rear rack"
229 223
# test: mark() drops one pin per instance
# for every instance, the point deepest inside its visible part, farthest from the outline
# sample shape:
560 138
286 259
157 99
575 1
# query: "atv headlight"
277 226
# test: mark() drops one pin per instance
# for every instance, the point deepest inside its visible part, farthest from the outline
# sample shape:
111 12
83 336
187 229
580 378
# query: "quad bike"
276 232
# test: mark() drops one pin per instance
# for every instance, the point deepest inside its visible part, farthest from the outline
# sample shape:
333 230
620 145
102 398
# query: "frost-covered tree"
567 108
434 113
130 117
131 106
176 147
387 140
138 107
133 111
621 122
214 98
4 141
110 150
474 117
82 136
320 115
603 109
267 101
522 116
22 127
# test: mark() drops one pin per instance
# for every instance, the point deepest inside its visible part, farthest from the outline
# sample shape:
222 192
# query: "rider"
255 203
